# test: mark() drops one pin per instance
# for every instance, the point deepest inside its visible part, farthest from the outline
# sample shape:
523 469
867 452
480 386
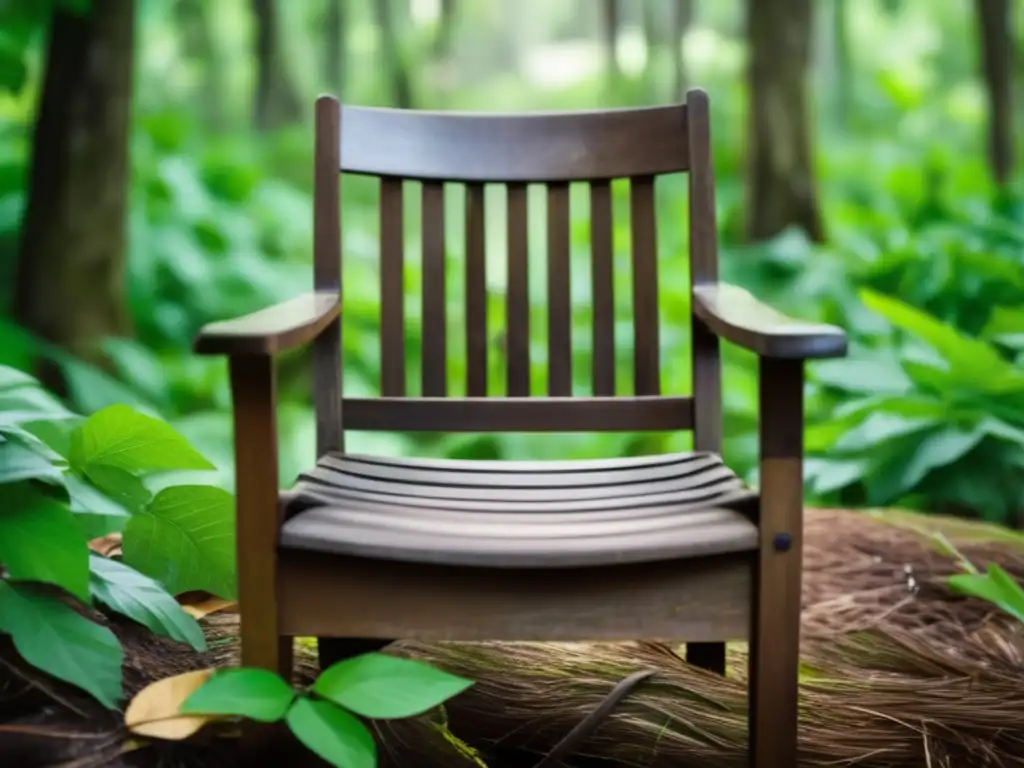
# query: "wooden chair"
670 547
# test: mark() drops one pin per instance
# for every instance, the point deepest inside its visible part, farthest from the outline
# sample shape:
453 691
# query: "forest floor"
883 572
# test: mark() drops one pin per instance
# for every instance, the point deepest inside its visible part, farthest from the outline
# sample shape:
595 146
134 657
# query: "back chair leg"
331 650
709 656
775 626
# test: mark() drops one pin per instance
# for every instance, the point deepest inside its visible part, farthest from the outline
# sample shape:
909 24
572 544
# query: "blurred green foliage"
924 264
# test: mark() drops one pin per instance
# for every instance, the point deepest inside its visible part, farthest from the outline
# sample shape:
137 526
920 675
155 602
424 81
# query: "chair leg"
709 656
775 625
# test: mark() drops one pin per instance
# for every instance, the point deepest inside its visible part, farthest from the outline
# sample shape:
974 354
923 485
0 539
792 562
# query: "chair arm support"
272 330
733 314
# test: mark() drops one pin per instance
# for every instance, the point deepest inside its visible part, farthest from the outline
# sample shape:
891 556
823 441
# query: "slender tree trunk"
996 47
780 186
682 18
391 52
445 37
335 29
610 34
71 261
276 101
199 48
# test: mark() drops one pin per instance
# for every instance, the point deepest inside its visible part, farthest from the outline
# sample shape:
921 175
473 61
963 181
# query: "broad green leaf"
185 539
878 427
88 500
825 476
121 437
18 463
941 448
972 361
332 733
142 599
253 693
12 377
120 485
379 686
32 400
867 376
50 635
1012 592
984 587
40 541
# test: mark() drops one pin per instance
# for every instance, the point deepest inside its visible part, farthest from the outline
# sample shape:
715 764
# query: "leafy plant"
941 419
995 586
66 480
327 717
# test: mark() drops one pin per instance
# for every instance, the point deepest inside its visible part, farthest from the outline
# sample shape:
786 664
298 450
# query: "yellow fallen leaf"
154 710
206 607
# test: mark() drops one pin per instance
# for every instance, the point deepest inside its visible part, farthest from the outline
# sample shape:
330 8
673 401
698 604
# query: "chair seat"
520 514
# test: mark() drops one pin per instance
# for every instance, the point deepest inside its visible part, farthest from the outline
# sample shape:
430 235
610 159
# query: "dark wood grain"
520 414
558 146
272 330
327 373
392 288
646 353
253 393
559 293
775 622
476 292
602 287
734 315
517 327
435 331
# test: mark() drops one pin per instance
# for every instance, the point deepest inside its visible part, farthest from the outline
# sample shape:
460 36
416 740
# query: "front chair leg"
253 392
775 630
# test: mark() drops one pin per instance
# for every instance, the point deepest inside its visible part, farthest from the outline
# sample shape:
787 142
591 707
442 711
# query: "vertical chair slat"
435 359
518 309
476 293
559 298
392 292
602 296
646 370
327 373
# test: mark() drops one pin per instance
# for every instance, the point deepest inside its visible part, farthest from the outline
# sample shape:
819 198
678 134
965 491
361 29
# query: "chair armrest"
733 314
272 330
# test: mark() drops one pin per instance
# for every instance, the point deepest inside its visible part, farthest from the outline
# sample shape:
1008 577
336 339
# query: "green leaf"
992 590
185 539
40 541
87 500
379 686
972 362
121 437
18 463
12 377
332 733
878 427
51 636
253 693
120 485
1012 593
939 449
142 599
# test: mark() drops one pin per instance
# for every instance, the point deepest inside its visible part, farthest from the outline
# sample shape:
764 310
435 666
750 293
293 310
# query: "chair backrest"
553 149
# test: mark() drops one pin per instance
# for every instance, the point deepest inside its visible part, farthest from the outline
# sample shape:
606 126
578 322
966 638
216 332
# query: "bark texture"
71 262
276 102
781 187
996 49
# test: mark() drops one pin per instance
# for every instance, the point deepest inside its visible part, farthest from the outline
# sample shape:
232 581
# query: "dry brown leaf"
208 606
108 546
154 710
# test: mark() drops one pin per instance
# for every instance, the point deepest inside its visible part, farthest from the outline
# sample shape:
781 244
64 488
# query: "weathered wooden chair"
666 547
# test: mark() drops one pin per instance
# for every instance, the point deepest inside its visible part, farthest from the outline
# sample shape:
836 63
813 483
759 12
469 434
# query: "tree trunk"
445 37
391 52
71 261
610 35
199 48
682 18
780 186
276 101
335 28
996 48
